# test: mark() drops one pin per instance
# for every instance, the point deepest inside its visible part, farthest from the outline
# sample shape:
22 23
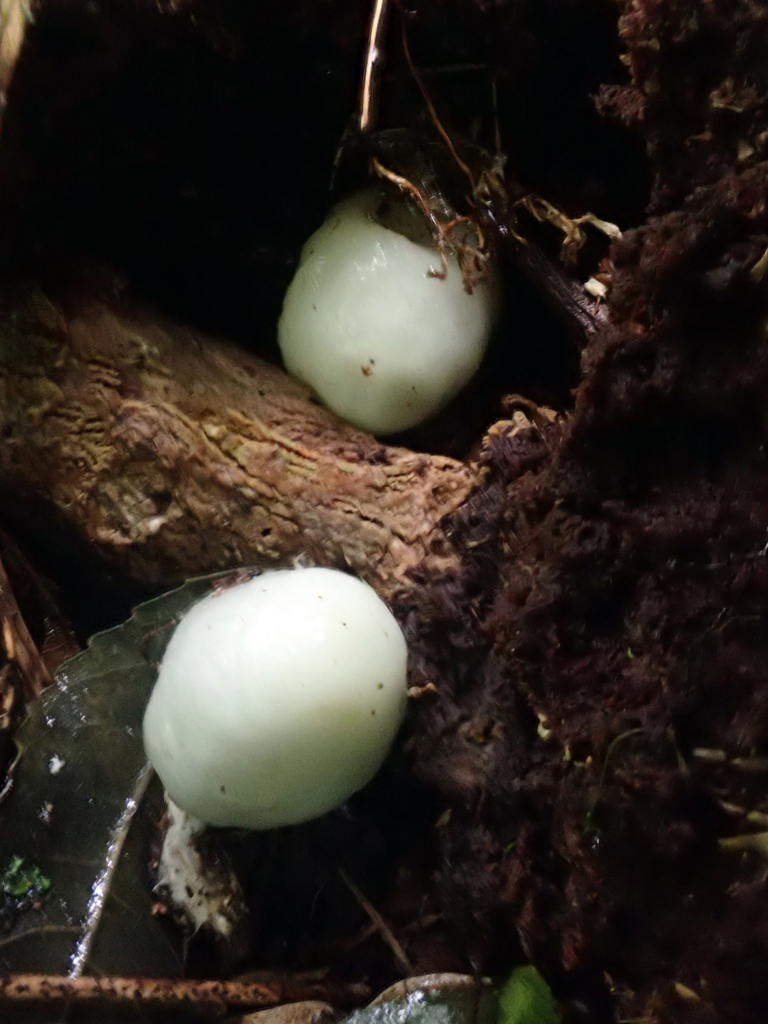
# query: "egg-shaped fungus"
372 326
277 698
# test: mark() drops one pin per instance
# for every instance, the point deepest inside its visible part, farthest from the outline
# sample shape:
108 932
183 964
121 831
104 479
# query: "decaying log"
176 454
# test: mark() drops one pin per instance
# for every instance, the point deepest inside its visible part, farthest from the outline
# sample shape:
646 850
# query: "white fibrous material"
203 890
368 325
277 699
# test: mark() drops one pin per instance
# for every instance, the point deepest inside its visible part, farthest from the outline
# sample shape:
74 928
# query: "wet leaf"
525 998
431 999
77 830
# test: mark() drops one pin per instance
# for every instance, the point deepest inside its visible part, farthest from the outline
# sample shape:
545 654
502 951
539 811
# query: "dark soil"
617 570
601 715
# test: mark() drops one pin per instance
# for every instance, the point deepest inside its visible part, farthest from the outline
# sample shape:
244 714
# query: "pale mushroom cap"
277 699
381 340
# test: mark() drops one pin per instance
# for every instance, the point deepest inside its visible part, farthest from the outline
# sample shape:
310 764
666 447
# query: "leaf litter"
83 812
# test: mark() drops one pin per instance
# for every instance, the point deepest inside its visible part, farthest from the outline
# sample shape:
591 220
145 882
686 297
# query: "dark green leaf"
76 849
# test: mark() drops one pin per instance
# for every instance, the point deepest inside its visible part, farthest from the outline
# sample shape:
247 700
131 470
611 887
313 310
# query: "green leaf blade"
526 998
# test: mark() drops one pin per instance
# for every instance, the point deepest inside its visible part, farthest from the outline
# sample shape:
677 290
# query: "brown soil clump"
613 726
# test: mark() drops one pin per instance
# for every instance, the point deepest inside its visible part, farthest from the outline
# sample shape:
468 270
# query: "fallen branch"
175 454
171 992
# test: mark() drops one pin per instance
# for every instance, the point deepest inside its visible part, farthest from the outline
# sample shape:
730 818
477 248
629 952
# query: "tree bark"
177 454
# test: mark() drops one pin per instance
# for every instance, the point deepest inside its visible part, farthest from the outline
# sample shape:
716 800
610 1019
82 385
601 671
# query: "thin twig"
172 992
471 259
500 155
382 926
39 932
374 58
410 189
60 642
19 646
430 106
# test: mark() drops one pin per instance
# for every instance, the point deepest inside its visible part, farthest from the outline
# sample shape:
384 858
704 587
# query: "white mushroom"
277 699
368 325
